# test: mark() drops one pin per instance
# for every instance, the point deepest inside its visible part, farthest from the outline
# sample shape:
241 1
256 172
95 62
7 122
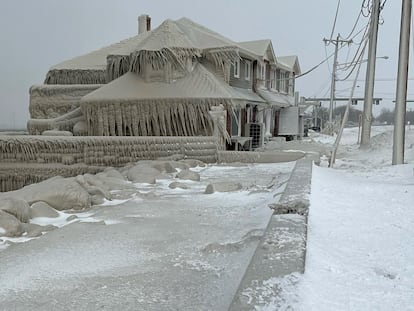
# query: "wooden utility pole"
402 78
370 76
336 42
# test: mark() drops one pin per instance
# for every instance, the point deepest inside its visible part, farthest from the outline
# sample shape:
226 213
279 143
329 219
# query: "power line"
338 42
379 79
358 61
336 17
316 66
365 35
355 24
361 45
366 7
358 53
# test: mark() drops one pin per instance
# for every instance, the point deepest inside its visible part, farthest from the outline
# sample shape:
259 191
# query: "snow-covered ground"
161 249
360 245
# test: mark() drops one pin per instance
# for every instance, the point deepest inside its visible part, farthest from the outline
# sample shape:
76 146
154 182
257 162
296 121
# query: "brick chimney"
144 23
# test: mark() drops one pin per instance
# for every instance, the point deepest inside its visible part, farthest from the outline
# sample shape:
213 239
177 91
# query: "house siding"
218 72
241 82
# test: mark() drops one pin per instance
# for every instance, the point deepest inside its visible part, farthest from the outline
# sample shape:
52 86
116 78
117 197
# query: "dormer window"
236 69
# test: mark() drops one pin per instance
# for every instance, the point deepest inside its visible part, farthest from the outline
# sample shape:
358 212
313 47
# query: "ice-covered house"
165 82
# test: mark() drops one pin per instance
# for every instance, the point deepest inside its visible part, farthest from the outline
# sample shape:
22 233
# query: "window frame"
236 69
263 71
247 70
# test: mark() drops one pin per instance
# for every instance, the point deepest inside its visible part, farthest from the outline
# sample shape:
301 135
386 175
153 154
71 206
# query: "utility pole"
336 42
370 76
401 98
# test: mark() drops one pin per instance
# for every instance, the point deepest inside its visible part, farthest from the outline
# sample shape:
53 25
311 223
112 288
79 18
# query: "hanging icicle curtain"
117 65
75 76
152 117
221 56
177 57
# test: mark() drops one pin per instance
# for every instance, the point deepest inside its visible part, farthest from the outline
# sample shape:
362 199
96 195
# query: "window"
284 82
273 79
235 121
247 66
263 71
236 69
287 79
277 77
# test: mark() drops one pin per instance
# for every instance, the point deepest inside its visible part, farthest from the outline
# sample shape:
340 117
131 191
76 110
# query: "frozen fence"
71 155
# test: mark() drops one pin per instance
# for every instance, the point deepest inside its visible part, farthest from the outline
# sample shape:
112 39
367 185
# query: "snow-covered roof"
262 48
276 99
202 37
96 60
180 33
200 83
172 42
290 62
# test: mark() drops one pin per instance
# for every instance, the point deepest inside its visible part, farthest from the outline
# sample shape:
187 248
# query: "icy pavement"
164 249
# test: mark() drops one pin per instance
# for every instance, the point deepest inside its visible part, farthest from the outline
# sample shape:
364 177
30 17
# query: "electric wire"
357 57
318 65
355 25
357 54
336 17
346 114
365 29
359 61
366 8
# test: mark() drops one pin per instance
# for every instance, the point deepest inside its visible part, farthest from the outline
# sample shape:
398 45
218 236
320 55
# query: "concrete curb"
282 248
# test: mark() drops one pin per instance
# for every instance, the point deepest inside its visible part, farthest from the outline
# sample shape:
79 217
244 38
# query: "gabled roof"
291 62
200 83
180 33
202 37
262 48
96 60
172 42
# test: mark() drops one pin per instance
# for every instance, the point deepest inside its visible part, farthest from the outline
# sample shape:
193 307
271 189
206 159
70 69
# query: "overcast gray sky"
35 35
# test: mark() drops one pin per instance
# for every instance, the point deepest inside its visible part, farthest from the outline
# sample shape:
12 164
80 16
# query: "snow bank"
360 238
360 250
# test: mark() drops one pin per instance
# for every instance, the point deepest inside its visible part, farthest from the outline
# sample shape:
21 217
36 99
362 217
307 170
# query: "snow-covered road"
164 249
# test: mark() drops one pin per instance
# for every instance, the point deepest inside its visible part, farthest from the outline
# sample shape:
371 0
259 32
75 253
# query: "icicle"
70 76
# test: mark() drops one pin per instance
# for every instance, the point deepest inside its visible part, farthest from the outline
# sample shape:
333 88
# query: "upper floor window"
288 80
284 81
236 69
281 80
262 71
273 79
247 69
